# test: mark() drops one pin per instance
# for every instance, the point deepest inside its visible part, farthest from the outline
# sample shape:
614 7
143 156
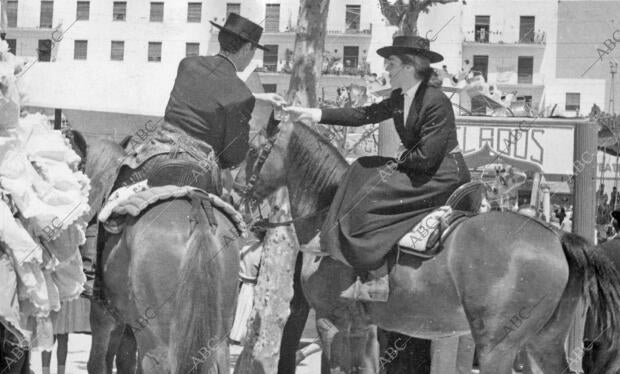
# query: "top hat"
243 28
410 45
616 215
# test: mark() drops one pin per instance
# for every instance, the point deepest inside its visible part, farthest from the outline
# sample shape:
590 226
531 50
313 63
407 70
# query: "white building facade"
122 56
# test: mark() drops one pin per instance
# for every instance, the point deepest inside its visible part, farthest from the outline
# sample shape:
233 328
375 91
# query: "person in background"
601 196
613 199
567 223
561 214
248 274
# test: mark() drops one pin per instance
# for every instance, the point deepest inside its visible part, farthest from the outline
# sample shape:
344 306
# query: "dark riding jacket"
210 103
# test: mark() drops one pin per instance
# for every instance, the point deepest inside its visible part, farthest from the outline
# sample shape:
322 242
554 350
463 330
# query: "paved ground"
79 347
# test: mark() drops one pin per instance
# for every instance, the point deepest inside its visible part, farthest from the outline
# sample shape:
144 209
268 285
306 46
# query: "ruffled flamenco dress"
44 200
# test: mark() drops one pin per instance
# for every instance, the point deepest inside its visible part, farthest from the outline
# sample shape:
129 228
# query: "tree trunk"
3 16
273 294
308 57
409 23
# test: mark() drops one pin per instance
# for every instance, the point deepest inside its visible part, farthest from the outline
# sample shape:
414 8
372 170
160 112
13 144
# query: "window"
157 12
270 57
12 45
482 29
119 11
154 52
83 11
270 88
45 50
47 14
11 13
233 8
527 99
526 29
350 57
573 100
272 18
118 50
194 12
481 66
80 50
352 17
192 49
525 69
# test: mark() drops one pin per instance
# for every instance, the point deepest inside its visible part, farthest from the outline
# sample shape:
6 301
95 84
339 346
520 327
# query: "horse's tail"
197 331
601 290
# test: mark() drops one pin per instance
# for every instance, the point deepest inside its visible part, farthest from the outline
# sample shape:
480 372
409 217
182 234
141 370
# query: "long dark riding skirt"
376 205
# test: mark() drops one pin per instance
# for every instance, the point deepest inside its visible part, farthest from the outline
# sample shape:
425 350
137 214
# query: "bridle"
247 190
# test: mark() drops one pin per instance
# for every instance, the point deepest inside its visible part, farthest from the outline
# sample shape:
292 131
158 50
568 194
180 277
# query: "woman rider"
381 198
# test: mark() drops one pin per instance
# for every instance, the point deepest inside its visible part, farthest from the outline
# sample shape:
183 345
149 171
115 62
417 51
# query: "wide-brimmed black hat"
616 215
402 45
243 28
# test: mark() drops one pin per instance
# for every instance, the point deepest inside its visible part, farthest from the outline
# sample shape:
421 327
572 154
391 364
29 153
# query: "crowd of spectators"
605 204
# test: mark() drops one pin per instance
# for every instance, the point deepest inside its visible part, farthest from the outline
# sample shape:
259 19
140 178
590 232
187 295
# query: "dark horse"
509 280
173 283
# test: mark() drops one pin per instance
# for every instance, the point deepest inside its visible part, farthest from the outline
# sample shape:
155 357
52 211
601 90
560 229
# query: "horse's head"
263 170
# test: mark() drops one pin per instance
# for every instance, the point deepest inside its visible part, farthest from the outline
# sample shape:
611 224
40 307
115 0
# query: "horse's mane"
102 163
321 162
102 153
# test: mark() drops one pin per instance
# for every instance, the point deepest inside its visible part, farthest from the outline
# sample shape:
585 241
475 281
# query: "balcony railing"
496 37
331 70
337 31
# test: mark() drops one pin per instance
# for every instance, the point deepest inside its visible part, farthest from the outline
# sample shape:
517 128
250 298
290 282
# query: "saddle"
462 204
170 164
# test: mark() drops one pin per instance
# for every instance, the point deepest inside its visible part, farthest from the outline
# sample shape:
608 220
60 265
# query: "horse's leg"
115 338
126 352
102 325
365 349
498 359
333 346
295 324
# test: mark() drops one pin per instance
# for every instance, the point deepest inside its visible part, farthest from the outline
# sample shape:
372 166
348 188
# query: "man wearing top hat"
380 198
209 102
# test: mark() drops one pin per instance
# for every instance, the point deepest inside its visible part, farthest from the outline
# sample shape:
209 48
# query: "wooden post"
535 187
273 294
584 219
57 119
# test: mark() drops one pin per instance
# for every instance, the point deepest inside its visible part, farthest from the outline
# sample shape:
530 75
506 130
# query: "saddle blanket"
118 196
417 239
134 199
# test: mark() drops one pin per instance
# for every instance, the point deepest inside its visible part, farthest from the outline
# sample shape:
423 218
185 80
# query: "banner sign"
550 147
